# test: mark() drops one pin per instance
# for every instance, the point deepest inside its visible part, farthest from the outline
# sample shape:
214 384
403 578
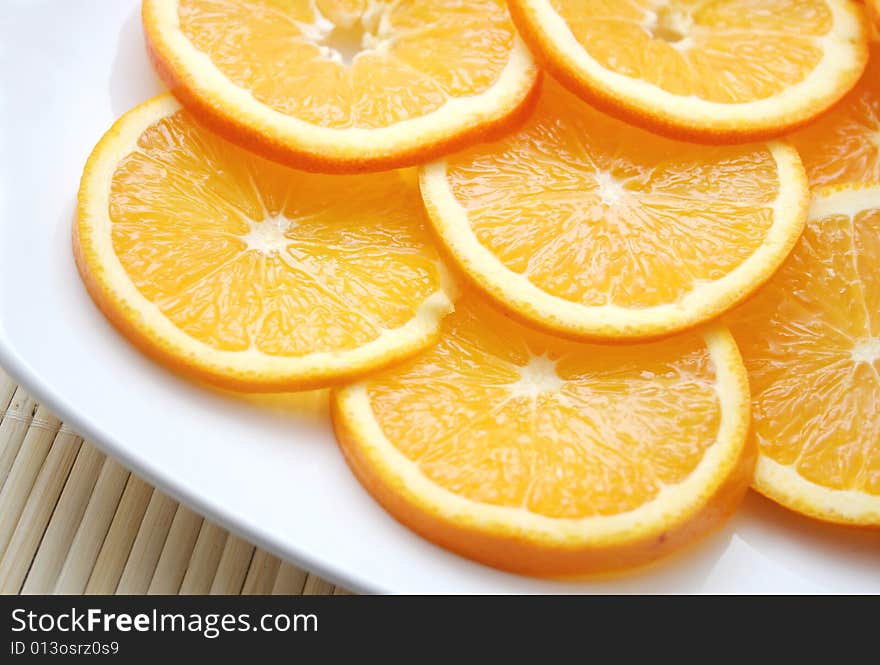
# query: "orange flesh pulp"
725 52
504 415
598 212
353 63
241 253
811 343
844 144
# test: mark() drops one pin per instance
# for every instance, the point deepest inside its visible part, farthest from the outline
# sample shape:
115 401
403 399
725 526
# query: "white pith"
537 376
670 24
372 29
610 189
268 236
867 351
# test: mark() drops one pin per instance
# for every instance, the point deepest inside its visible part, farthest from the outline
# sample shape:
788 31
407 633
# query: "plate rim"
87 428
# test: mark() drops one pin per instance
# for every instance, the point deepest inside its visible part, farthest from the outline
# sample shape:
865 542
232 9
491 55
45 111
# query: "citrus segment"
710 71
589 227
844 144
552 457
247 273
811 344
874 15
343 86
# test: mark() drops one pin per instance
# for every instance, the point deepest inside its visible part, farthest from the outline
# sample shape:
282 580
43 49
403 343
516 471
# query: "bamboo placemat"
73 520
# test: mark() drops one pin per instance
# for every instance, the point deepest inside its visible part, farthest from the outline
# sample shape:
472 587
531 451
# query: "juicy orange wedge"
549 457
709 71
811 344
246 273
344 85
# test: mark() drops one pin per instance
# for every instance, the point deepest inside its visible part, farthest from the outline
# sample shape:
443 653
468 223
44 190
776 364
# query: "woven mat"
72 520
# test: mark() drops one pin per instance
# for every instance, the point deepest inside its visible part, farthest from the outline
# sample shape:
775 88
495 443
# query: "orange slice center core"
672 25
536 377
867 351
268 236
611 190
343 38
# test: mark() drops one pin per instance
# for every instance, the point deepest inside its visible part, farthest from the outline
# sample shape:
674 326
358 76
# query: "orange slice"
344 85
844 144
246 273
549 457
874 14
811 344
588 227
714 72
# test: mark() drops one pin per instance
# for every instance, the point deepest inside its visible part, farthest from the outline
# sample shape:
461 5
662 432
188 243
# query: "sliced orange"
725 71
549 457
874 14
844 144
246 273
588 227
344 85
811 344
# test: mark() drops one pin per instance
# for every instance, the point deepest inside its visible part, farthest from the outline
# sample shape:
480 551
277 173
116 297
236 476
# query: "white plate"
267 469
